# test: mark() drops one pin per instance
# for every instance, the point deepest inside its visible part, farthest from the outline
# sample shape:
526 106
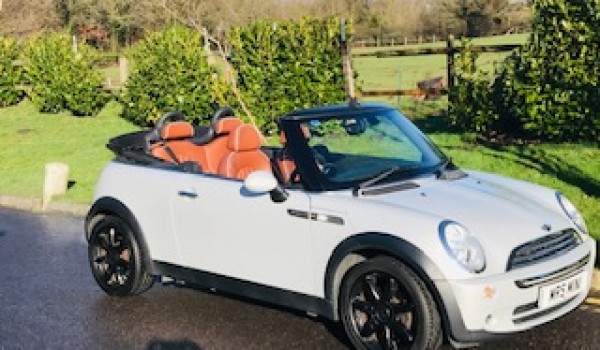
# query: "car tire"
384 305
116 259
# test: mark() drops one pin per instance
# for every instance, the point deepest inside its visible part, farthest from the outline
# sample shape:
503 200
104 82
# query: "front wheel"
116 258
385 305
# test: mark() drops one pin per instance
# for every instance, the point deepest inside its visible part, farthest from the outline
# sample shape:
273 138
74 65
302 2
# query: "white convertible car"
356 217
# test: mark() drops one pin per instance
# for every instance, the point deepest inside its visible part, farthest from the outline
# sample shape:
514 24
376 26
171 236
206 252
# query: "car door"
224 229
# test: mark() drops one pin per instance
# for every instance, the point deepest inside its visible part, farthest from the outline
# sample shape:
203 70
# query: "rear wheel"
385 305
115 258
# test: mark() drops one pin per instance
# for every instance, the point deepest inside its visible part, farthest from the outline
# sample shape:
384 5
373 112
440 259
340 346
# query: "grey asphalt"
48 300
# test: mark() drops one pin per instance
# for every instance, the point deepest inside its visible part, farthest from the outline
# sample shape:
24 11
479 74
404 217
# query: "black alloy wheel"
115 258
384 305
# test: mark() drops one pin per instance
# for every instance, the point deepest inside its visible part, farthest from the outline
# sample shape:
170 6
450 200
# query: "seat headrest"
244 138
177 130
226 125
305 132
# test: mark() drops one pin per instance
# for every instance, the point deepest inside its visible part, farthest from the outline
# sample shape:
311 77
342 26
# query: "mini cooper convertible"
355 216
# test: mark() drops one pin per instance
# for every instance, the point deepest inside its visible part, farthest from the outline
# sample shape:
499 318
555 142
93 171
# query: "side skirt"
245 289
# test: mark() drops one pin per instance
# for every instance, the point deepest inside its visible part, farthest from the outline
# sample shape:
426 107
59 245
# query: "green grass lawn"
32 139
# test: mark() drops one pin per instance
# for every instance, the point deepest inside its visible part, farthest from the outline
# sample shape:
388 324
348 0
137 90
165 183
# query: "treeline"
119 22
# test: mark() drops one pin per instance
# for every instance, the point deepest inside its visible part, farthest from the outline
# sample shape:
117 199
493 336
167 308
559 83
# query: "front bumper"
485 308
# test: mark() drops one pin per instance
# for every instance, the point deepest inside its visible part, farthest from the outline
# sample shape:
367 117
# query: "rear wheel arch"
367 245
110 206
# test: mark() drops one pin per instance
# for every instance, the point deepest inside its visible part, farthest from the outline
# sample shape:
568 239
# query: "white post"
55 181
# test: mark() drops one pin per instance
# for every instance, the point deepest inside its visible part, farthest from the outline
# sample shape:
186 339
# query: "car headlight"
462 246
572 212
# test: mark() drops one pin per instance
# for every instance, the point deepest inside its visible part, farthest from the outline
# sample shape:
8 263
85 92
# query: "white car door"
224 229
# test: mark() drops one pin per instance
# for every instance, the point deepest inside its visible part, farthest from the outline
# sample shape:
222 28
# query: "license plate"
559 292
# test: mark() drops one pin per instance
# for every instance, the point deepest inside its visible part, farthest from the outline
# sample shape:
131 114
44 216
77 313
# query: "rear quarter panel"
147 193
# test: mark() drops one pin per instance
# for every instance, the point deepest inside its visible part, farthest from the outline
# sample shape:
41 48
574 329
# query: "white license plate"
559 292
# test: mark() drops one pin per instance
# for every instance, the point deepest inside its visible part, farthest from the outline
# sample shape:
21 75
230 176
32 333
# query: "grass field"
34 138
404 72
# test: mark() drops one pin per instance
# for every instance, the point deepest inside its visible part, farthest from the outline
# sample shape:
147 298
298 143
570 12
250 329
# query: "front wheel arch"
370 244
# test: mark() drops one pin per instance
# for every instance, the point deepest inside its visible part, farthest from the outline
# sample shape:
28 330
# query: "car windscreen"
350 150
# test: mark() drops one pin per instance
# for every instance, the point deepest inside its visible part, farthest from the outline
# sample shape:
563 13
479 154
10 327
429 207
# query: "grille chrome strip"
559 274
542 313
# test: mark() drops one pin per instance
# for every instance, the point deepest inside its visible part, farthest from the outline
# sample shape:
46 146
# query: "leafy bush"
170 72
60 79
549 88
10 75
553 81
287 65
471 103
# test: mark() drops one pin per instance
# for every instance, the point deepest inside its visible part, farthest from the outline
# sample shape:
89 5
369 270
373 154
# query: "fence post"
347 64
450 68
123 70
74 44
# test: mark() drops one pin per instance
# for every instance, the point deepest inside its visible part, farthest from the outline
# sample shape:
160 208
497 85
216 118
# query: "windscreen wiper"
384 175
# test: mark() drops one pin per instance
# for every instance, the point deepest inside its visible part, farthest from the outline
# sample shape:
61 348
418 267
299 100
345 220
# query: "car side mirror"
262 181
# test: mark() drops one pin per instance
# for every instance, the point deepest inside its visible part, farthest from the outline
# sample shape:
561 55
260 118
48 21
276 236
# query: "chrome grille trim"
543 249
559 274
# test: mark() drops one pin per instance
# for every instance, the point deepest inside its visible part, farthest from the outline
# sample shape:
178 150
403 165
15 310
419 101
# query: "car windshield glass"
370 148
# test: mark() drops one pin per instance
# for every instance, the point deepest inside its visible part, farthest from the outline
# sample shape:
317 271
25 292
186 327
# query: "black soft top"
335 110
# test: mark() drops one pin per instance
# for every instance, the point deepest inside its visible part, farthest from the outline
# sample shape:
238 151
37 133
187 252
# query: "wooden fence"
450 50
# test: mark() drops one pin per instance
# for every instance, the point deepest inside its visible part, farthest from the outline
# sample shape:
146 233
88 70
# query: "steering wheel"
327 168
154 135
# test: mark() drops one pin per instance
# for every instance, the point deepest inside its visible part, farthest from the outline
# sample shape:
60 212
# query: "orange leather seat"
244 154
176 147
217 148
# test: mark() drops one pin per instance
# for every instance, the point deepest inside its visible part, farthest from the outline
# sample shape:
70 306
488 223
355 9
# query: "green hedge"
10 74
60 79
170 72
548 89
286 65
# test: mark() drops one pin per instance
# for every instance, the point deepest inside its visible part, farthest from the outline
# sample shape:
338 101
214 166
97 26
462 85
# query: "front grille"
542 249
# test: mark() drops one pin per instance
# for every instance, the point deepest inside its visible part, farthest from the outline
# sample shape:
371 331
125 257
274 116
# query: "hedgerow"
286 65
60 79
11 75
170 72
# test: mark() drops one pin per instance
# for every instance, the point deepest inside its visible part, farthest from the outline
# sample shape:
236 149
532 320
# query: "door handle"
187 194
